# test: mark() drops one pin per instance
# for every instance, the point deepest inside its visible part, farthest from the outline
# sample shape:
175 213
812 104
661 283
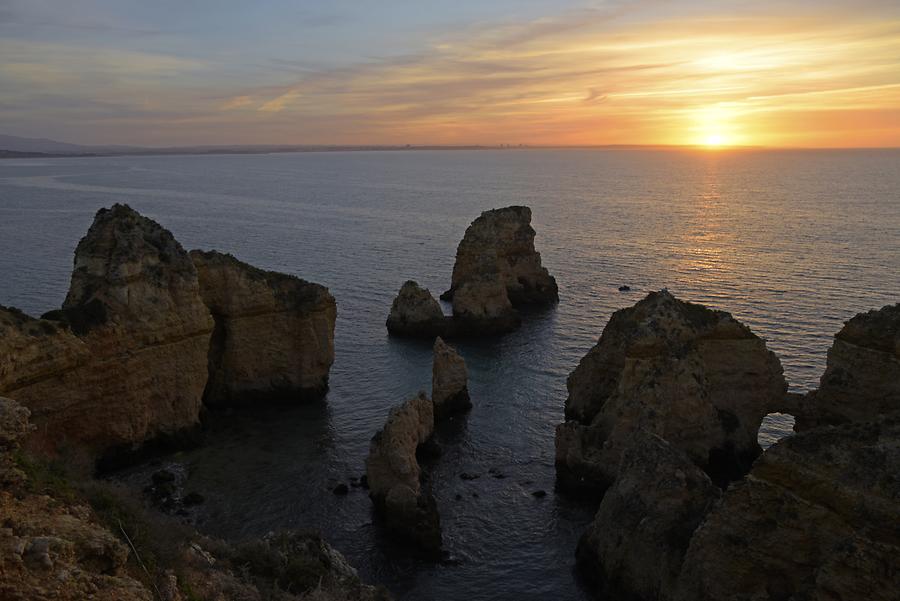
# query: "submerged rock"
124 360
817 518
862 376
694 376
395 478
449 381
274 333
635 546
415 312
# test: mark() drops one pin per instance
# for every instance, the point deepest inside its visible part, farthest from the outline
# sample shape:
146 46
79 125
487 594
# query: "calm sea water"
791 242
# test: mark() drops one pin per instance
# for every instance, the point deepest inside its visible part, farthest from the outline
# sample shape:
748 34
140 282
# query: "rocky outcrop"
124 360
396 480
862 376
415 312
817 518
636 544
449 381
274 333
496 270
696 377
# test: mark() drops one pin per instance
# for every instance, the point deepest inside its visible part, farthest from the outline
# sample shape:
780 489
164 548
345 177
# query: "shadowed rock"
395 477
274 333
449 381
696 377
415 312
124 360
817 518
636 544
862 376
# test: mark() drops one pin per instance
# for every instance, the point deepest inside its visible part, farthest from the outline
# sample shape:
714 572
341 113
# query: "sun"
714 140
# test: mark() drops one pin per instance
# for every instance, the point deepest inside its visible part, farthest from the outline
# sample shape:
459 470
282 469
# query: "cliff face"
395 477
862 376
640 534
697 378
124 360
274 333
817 518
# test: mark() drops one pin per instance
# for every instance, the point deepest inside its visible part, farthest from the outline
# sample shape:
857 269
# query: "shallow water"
791 242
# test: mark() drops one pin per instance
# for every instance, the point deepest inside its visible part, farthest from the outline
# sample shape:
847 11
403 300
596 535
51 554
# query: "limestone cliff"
817 518
124 360
274 333
696 377
862 376
635 546
395 477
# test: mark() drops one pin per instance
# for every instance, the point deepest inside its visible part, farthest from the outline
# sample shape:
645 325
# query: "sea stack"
416 313
396 480
449 381
498 269
125 359
274 333
862 375
696 377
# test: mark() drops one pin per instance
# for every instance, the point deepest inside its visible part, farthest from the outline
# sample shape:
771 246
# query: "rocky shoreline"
661 425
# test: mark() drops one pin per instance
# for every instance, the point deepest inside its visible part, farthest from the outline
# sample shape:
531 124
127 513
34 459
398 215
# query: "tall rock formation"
449 381
124 360
696 377
274 333
498 269
395 477
635 546
817 518
415 312
862 376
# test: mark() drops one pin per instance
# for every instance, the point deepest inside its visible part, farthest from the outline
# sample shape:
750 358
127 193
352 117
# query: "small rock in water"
496 473
625 288
341 489
364 481
458 497
193 498
539 494
468 476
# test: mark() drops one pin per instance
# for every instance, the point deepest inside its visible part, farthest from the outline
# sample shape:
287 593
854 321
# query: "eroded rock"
124 360
415 312
636 544
395 478
696 377
817 518
274 333
862 376
449 381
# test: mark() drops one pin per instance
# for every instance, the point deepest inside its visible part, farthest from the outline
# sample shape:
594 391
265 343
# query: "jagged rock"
274 333
862 376
395 477
696 377
817 518
14 426
415 312
497 269
449 381
636 544
124 360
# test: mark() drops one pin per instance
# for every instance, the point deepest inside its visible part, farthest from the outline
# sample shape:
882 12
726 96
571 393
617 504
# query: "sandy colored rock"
817 518
696 377
415 312
449 381
862 375
395 477
635 546
274 333
124 360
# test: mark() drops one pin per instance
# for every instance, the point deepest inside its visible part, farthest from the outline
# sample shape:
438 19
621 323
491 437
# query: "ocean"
791 242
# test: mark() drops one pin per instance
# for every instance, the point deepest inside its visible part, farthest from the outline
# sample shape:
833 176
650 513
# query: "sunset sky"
177 72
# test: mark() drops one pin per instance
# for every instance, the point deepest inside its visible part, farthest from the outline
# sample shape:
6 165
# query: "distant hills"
16 144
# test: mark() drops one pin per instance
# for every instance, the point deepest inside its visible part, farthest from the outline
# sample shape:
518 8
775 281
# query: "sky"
535 72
